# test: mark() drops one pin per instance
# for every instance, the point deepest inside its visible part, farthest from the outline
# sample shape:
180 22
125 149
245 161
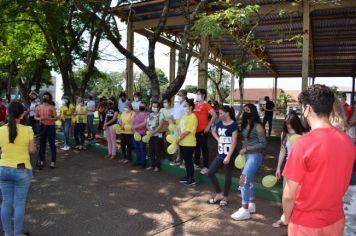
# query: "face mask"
165 104
180 99
142 108
45 100
187 110
126 109
136 99
154 109
198 98
123 99
64 101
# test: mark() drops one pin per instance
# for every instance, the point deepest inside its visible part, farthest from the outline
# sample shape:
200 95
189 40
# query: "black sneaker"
183 180
190 182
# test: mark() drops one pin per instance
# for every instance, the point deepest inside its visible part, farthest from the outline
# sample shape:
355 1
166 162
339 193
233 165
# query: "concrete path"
87 195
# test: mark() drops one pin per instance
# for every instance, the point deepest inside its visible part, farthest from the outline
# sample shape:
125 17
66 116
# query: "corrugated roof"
333 36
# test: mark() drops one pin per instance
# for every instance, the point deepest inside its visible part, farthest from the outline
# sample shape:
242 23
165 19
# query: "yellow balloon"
127 127
240 161
58 123
171 127
269 181
171 138
148 133
294 138
117 128
172 149
146 138
137 137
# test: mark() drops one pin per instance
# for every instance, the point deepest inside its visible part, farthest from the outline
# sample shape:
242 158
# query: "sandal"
212 201
278 224
223 202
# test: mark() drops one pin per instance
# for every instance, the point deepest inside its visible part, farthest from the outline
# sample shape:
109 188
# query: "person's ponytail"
15 110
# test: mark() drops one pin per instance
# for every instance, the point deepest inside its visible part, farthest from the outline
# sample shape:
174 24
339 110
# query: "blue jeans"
66 126
79 129
91 130
47 132
253 162
14 184
140 149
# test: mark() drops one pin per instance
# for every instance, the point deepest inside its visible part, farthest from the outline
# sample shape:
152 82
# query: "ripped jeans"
253 162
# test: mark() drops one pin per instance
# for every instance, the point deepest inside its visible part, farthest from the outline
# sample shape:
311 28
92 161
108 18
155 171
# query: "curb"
272 194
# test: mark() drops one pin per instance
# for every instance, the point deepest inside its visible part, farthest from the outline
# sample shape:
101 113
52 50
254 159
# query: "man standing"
268 108
347 107
318 170
202 110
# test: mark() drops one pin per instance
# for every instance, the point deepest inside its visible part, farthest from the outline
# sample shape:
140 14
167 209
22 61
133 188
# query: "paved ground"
87 195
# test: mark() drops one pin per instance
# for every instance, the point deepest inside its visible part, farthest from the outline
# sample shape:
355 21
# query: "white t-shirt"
178 110
91 106
136 105
33 108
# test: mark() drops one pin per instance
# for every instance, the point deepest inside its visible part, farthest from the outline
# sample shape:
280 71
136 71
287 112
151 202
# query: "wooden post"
275 90
217 79
129 63
172 67
306 35
232 90
203 63
353 94
313 80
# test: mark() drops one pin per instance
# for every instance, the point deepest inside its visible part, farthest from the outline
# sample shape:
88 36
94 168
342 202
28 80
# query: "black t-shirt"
110 114
269 106
225 136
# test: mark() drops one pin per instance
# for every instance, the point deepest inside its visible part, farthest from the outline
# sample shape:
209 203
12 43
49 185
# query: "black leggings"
187 154
126 146
214 167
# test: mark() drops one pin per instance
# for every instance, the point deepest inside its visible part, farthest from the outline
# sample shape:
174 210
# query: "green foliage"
105 84
191 88
283 99
142 84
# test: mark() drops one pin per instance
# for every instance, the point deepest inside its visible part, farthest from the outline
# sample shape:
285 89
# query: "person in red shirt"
202 110
2 112
347 107
318 170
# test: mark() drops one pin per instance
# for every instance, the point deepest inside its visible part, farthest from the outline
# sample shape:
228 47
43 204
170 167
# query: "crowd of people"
318 163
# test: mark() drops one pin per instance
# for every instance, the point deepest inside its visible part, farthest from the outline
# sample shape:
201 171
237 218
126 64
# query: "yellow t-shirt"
17 152
126 119
80 118
188 123
65 112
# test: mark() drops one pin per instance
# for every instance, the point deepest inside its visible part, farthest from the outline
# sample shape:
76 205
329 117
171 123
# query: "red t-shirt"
202 113
348 111
2 113
321 162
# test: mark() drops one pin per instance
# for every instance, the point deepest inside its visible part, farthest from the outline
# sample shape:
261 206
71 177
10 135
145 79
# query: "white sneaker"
252 207
241 214
204 171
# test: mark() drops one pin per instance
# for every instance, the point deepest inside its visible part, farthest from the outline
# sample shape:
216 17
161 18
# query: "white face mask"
180 99
126 109
136 99
64 101
165 104
154 109
198 98
187 110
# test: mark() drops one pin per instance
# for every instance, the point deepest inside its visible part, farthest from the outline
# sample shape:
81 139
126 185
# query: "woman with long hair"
65 114
338 116
292 126
139 125
253 142
126 119
17 143
111 119
225 133
80 121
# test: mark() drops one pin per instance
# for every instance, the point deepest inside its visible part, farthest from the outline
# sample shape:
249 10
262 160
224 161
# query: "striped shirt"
46 113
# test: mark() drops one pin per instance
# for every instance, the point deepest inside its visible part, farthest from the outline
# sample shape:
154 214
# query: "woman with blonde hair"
338 117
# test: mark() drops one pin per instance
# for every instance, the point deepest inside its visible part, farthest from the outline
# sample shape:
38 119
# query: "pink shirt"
138 119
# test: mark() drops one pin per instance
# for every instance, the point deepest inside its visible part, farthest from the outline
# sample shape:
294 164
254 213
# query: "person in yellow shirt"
186 140
126 119
80 120
65 114
17 143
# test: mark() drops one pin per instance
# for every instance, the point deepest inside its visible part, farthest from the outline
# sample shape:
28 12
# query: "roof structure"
258 94
332 51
